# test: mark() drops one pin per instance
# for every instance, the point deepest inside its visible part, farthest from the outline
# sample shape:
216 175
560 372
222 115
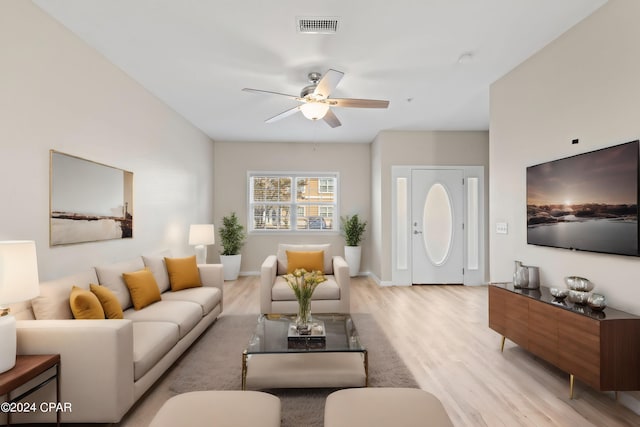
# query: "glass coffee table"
331 357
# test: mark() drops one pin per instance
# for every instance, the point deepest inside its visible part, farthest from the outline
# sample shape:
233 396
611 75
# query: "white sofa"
107 365
332 296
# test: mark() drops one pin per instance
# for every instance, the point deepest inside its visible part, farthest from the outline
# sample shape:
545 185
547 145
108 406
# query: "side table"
27 368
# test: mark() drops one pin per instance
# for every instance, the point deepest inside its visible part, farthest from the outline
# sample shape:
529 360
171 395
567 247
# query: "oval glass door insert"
437 224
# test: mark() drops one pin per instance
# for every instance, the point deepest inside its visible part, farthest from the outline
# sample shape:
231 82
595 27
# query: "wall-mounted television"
587 202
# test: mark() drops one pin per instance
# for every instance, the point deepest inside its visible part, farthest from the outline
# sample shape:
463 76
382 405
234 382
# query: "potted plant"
232 238
352 230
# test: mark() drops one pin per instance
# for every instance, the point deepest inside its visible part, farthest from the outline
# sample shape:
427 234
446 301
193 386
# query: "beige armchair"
331 296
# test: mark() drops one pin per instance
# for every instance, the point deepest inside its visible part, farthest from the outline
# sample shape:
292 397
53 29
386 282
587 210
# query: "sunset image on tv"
586 202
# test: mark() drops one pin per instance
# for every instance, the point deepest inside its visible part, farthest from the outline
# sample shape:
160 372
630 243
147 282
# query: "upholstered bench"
219 408
384 407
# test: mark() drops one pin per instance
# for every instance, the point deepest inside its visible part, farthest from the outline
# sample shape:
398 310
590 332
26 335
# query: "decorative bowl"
559 293
576 283
579 297
597 302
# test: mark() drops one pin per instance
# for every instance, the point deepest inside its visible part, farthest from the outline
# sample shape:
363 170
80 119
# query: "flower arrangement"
303 283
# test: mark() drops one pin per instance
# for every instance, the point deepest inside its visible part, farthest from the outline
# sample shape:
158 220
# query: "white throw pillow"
158 268
53 301
111 277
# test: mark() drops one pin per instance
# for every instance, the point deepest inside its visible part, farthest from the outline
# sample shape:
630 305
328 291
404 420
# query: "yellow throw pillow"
84 304
143 288
183 273
310 261
108 300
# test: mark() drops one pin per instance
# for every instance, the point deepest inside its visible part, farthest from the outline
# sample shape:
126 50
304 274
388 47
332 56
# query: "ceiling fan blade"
331 119
328 83
358 103
267 92
283 115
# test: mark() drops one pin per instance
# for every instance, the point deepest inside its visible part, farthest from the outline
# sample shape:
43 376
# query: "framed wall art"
89 201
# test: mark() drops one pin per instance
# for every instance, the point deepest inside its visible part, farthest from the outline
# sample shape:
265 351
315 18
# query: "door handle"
417 232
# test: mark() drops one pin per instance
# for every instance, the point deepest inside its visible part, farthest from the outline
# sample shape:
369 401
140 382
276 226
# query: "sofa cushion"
151 341
158 267
206 297
108 300
142 288
327 290
183 273
85 304
185 314
111 277
53 301
308 260
282 255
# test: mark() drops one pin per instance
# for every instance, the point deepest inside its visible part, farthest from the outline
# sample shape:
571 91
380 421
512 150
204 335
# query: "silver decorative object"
597 302
559 293
578 297
520 275
525 276
579 283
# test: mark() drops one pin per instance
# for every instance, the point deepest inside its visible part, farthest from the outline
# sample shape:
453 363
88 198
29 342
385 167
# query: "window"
292 202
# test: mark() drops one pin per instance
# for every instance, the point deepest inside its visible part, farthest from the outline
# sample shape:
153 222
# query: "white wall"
583 85
234 159
57 93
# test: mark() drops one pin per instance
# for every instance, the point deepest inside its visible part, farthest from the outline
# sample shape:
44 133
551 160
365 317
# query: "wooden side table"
27 368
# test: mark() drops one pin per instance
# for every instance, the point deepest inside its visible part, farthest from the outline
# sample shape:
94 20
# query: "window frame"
294 204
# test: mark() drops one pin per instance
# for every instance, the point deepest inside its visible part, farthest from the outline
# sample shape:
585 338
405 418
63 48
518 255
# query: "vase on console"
303 283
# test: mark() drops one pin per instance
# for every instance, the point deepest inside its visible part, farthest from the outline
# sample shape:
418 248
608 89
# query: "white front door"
437 226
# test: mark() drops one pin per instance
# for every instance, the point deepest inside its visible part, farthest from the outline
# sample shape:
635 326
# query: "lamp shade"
18 271
202 234
314 110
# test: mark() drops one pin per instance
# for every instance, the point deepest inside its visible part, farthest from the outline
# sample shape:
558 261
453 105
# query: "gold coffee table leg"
244 370
502 344
570 386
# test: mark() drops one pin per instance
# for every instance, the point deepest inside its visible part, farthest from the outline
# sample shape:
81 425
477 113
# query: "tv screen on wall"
587 202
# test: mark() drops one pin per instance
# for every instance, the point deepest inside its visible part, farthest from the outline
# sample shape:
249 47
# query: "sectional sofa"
108 364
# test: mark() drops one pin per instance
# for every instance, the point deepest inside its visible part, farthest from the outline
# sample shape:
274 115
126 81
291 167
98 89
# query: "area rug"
215 363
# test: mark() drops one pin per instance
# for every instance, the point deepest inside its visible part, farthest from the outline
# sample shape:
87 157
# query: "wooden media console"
602 349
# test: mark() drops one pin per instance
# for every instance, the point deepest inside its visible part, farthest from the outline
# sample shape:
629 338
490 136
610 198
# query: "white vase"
353 254
230 266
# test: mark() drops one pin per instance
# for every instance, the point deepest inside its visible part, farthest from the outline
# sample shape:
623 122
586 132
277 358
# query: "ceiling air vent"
317 25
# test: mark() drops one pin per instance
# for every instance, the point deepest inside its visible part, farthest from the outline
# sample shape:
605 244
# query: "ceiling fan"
315 100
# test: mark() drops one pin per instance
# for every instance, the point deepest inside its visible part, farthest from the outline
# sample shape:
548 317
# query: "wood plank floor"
442 334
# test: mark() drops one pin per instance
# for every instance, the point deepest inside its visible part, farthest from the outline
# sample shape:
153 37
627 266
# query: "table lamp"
18 282
201 235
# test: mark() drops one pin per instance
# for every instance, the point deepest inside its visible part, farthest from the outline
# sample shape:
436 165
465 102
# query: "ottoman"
220 408
384 407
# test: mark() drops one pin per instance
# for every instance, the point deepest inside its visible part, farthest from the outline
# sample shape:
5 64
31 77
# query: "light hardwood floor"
442 335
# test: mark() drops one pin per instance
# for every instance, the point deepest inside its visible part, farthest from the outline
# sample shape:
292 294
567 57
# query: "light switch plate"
502 228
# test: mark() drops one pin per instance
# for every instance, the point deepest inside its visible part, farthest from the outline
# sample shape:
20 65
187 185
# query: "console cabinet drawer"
580 347
543 331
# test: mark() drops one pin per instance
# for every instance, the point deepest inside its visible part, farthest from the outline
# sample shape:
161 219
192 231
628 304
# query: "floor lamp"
18 282
201 235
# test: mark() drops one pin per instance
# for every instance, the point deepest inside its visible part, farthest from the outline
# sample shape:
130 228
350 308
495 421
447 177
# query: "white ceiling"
197 55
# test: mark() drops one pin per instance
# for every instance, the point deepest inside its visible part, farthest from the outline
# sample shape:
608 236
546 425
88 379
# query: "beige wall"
583 85
57 93
234 159
398 148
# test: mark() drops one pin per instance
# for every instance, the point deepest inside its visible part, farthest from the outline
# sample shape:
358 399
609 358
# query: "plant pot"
230 266
353 254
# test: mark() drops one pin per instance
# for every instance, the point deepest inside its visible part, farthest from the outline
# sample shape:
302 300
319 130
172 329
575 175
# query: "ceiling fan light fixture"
314 110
